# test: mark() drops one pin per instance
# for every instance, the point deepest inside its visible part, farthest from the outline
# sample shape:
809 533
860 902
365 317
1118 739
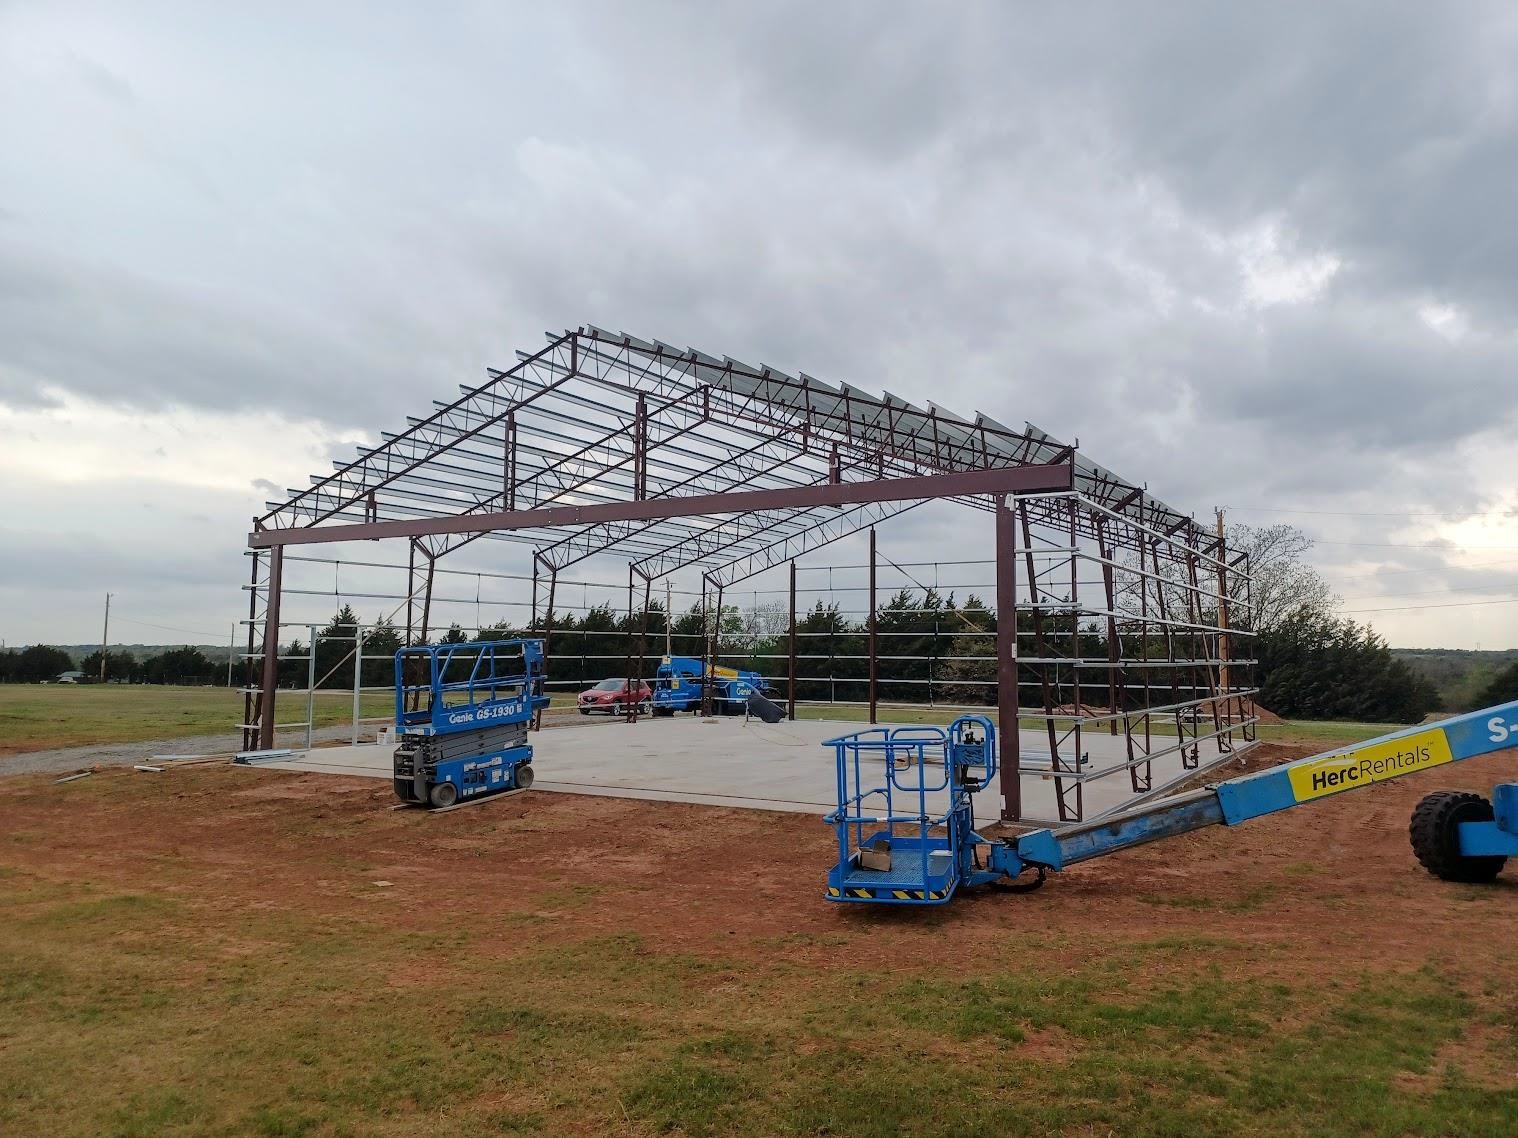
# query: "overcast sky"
1259 258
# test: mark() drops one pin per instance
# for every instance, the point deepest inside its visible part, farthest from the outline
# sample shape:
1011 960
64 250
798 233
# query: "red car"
611 696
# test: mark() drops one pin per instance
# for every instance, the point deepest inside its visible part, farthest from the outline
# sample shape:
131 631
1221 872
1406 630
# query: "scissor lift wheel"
444 794
1435 834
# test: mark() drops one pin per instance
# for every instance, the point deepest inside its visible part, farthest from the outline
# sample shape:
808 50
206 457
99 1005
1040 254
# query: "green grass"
41 716
130 1015
1325 734
35 717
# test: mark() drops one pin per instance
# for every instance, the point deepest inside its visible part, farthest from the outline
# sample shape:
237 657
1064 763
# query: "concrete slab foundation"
748 764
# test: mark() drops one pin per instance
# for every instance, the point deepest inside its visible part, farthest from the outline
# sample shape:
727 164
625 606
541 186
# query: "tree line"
41 663
930 648
584 648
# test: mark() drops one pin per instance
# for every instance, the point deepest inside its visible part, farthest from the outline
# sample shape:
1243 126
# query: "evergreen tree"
121 667
42 662
185 665
1502 689
824 640
381 643
334 650
1314 665
969 671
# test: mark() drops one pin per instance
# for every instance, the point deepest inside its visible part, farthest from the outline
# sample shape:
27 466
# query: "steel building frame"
604 444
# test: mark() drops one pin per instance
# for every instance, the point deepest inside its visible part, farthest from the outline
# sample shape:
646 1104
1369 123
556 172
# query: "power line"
1426 569
1409 545
1372 513
167 627
1420 608
1431 592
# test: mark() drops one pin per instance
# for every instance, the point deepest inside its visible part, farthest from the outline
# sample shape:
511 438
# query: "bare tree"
1281 580
766 619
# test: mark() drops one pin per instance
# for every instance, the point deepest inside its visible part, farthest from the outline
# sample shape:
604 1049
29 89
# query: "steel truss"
605 444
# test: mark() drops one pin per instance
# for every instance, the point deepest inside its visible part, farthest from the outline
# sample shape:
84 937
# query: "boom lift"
679 680
912 840
463 711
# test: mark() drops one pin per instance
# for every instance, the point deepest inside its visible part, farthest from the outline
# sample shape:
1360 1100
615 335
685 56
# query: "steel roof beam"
1010 480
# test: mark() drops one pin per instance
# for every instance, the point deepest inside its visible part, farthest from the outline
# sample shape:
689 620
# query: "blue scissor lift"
894 850
463 711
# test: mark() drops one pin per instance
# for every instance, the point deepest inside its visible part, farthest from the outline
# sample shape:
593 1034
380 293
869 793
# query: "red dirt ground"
1322 889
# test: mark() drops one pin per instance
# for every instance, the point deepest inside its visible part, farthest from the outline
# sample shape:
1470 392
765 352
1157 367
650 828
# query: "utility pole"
105 636
1222 610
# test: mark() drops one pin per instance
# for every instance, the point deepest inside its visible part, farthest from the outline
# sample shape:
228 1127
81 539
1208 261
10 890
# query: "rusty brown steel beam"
1006 663
1009 480
872 654
251 702
270 675
791 691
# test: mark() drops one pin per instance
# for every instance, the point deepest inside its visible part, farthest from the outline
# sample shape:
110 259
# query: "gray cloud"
1137 224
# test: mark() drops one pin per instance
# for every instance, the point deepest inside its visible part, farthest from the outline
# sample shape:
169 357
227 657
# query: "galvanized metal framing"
607 445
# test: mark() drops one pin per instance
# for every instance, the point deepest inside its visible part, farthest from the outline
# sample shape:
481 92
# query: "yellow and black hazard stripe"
867 894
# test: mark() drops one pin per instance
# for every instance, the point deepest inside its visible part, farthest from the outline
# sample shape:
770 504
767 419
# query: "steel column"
271 651
358 678
1223 686
873 662
1006 663
310 683
637 675
706 650
1114 693
1046 690
627 672
250 700
717 631
553 589
640 449
509 479
792 712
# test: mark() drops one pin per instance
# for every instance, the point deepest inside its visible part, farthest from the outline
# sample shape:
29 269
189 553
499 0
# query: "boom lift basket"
911 839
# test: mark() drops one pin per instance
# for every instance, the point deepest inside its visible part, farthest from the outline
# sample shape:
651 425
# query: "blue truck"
679 681
912 839
462 712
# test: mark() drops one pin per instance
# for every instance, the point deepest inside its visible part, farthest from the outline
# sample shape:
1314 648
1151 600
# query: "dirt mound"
1088 710
1267 716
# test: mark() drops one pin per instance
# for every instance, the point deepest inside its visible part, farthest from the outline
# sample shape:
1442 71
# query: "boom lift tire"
444 794
1435 835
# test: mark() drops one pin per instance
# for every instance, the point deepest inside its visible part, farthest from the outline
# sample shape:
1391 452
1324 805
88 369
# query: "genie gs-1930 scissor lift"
917 856
463 712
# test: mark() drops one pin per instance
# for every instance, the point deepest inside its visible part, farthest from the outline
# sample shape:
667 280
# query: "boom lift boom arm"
1457 836
1280 788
